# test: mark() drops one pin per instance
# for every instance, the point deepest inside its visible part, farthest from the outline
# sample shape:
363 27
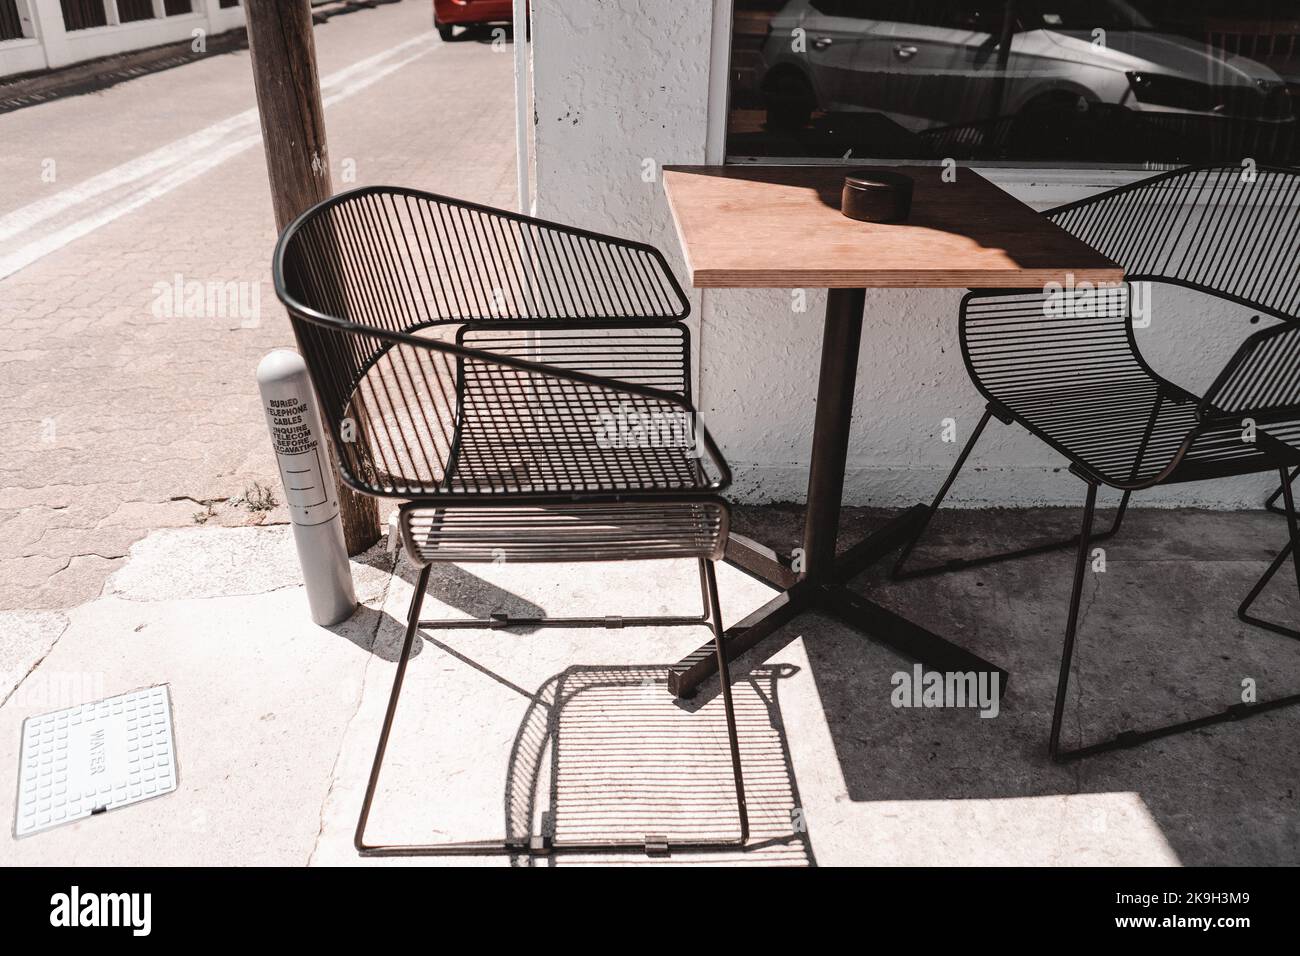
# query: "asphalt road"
122 410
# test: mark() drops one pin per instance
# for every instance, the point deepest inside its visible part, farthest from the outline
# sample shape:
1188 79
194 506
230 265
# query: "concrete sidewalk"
276 719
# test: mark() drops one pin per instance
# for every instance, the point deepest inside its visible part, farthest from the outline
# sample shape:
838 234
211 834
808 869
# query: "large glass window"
1055 82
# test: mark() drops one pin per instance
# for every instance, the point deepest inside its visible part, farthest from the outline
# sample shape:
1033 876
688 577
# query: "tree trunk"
297 161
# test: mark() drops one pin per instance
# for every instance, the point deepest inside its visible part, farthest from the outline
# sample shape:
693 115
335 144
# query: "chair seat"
567 531
1127 431
539 437
439 426
518 455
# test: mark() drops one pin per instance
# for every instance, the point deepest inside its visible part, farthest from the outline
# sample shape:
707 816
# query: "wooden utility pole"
293 132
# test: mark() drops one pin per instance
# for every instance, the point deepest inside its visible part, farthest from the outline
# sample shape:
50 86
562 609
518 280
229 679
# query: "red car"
448 14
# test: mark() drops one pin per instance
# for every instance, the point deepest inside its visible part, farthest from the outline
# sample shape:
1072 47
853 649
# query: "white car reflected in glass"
936 63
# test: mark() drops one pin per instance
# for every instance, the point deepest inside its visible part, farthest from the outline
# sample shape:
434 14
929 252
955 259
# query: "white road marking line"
34 213
179 162
172 153
39 248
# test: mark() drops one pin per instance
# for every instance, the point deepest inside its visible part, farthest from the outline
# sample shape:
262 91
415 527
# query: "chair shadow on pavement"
471 594
599 753
454 585
605 753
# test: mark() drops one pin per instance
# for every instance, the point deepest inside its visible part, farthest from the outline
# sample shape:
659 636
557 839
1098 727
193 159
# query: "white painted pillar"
48 16
27 19
25 53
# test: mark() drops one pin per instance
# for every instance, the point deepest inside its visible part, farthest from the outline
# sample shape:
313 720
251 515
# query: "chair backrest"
395 296
401 260
1230 231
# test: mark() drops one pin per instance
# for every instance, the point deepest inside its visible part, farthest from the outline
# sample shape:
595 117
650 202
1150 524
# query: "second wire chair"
1065 365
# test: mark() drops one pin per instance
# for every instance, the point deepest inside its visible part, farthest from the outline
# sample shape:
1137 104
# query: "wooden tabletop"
781 227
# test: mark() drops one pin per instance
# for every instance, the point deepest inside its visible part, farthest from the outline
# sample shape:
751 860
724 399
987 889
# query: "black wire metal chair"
1066 366
527 386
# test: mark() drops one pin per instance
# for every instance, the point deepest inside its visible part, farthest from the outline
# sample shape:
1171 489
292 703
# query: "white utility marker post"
308 482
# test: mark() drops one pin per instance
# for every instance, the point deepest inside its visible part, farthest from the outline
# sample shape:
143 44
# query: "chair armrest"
536 426
1261 381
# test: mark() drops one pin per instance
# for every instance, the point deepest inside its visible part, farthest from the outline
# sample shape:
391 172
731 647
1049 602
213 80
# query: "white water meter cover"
95 757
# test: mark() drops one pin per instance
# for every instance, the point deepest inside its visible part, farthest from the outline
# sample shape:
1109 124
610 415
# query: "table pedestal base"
829 597
821 585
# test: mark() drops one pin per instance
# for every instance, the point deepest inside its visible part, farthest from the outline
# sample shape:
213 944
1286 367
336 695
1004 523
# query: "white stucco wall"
620 82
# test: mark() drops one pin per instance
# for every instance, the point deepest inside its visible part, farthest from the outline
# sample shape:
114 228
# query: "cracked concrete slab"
54 582
208 562
201 563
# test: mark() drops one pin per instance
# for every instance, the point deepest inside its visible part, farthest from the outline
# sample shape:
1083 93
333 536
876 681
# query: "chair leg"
724 678
1132 738
541 845
1072 622
899 573
1271 503
1290 551
412 624
467 848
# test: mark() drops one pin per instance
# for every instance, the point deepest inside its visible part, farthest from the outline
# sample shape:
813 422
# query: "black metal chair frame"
494 452
1008 354
1271 502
